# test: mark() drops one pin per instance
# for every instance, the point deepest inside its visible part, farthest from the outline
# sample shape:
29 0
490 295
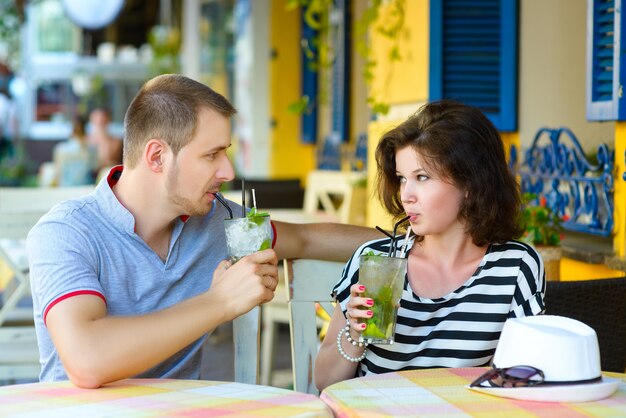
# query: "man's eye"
212 156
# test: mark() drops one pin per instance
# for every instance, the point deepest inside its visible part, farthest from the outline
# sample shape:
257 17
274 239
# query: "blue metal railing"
580 192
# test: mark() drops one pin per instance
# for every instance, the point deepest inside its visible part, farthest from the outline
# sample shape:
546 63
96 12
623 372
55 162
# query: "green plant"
321 52
541 225
17 169
165 42
12 13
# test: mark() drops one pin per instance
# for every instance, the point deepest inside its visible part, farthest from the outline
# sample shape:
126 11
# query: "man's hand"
249 282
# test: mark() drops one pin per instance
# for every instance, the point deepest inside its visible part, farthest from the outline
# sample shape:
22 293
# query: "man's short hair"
167 108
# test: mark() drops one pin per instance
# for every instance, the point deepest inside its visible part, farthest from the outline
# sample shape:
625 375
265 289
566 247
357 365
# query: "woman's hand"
358 308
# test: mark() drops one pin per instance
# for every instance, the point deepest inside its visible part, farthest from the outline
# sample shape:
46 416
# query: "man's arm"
96 349
324 241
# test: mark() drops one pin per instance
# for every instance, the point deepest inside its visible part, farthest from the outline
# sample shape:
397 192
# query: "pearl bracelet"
346 331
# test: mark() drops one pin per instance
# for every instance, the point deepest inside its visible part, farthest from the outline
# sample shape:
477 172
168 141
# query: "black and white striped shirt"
460 329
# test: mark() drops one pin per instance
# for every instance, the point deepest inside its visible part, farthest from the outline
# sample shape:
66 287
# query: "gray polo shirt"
88 246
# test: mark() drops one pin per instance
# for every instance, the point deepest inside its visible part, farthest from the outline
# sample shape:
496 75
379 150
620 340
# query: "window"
337 91
605 76
473 56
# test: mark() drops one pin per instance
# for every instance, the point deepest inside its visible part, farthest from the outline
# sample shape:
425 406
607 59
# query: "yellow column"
619 187
288 157
509 139
401 84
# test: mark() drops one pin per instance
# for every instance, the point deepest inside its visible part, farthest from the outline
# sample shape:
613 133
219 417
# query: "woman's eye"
422 177
401 179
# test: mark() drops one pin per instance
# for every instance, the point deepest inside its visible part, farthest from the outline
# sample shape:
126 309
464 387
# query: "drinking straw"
393 239
384 232
223 202
406 241
243 198
253 200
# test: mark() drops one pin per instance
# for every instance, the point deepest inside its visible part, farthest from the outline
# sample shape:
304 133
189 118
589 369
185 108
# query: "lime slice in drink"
373 331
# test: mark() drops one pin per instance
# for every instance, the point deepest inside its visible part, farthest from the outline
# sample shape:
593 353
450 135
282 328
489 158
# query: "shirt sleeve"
63 263
530 290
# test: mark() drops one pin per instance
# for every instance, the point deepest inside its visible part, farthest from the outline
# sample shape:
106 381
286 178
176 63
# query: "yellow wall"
398 83
619 196
376 215
576 270
403 81
289 158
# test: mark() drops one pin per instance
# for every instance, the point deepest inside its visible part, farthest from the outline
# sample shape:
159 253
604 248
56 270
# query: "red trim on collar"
274 234
114 175
69 295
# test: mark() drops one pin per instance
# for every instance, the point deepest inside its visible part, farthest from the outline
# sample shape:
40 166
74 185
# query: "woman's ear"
154 154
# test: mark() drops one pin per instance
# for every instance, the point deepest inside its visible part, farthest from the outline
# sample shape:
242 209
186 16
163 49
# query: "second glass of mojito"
383 278
247 235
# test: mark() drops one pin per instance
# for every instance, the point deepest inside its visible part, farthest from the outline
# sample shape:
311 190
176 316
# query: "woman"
445 168
74 160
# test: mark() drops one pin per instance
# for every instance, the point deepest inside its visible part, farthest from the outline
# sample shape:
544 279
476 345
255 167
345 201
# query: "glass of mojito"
383 278
247 235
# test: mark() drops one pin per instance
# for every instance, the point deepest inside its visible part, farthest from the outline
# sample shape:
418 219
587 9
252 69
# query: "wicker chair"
601 304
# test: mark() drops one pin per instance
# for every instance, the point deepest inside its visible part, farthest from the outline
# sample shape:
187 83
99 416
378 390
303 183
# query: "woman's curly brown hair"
463 146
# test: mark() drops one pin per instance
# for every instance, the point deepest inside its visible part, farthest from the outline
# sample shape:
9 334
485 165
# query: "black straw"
243 198
393 239
384 232
223 202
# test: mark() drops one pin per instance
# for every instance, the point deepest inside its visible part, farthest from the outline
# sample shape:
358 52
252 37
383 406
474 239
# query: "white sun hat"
564 349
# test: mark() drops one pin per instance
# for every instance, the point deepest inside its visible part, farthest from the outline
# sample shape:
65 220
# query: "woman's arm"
322 241
331 366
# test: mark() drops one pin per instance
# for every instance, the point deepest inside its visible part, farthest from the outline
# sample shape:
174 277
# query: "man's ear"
154 153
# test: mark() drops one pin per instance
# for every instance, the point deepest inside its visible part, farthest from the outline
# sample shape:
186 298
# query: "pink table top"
157 398
442 393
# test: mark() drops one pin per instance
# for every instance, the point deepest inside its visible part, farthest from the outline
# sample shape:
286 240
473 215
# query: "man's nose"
226 171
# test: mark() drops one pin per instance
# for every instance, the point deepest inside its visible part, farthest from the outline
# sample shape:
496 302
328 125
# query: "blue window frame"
340 86
474 54
341 71
309 84
605 76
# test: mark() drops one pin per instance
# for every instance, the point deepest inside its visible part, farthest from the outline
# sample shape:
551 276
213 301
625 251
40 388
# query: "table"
442 393
157 398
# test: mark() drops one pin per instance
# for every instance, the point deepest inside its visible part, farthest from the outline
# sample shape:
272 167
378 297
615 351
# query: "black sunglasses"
511 377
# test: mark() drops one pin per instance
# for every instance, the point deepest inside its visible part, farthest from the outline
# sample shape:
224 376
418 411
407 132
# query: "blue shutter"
341 71
605 76
473 56
309 85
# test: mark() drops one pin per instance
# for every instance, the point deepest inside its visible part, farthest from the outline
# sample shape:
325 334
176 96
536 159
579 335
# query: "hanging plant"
12 18
321 54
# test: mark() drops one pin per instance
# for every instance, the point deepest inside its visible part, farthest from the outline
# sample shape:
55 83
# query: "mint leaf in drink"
265 245
371 255
256 217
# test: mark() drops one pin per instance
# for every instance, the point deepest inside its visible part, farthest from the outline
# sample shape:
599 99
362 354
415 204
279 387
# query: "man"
121 279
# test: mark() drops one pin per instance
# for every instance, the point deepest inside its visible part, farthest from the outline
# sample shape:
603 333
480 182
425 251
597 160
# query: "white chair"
38 198
309 282
246 341
342 198
20 209
273 314
19 355
341 194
